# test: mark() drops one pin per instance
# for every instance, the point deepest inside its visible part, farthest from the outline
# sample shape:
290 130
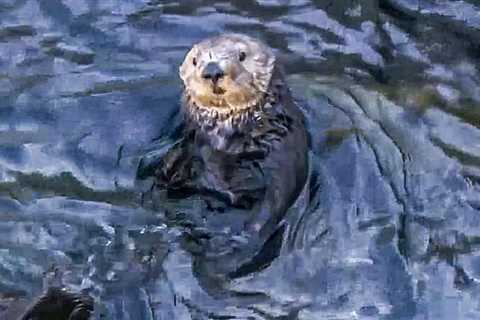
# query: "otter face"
227 72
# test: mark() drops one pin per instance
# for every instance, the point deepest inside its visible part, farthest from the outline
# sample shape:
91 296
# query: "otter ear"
186 68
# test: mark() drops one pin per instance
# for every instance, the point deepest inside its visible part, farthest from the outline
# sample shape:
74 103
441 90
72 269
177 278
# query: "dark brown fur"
60 304
258 161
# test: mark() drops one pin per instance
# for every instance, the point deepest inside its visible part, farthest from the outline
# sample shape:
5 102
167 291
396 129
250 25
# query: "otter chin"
244 137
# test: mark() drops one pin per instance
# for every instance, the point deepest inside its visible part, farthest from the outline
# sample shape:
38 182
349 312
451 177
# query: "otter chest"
237 177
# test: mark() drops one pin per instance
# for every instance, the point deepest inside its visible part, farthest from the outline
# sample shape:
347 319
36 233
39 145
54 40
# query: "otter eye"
194 61
242 56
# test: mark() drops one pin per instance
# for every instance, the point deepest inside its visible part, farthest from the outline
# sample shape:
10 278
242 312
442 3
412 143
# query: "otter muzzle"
212 71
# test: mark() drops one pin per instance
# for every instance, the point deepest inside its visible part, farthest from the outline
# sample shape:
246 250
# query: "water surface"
388 227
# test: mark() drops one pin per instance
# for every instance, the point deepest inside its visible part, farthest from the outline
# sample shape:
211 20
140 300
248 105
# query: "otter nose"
212 71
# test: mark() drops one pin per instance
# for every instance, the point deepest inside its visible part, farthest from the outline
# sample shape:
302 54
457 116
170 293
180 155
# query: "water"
390 229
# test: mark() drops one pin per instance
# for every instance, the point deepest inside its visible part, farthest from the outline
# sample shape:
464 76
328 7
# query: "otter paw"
171 179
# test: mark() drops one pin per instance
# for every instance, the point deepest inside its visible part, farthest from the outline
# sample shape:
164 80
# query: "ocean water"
388 226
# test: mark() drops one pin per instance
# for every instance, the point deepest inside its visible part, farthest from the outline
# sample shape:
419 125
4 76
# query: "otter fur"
244 137
60 304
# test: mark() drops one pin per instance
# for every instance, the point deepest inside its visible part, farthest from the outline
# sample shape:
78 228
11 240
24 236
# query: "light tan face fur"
244 81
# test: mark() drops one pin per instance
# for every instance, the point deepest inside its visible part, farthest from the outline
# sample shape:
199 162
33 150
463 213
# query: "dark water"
389 227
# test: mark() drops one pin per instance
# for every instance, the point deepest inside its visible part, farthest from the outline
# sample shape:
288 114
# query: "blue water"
387 228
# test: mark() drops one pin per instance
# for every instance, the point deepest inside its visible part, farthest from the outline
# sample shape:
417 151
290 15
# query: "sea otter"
59 303
244 137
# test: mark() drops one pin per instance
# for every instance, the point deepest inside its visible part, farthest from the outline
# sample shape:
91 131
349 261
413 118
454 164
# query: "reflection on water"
389 227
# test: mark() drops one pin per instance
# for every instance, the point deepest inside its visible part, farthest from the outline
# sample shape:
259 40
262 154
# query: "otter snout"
212 71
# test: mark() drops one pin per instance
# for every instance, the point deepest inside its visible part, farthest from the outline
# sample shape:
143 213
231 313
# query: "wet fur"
252 154
60 304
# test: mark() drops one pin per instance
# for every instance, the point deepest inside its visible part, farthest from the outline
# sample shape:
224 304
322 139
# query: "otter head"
227 73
